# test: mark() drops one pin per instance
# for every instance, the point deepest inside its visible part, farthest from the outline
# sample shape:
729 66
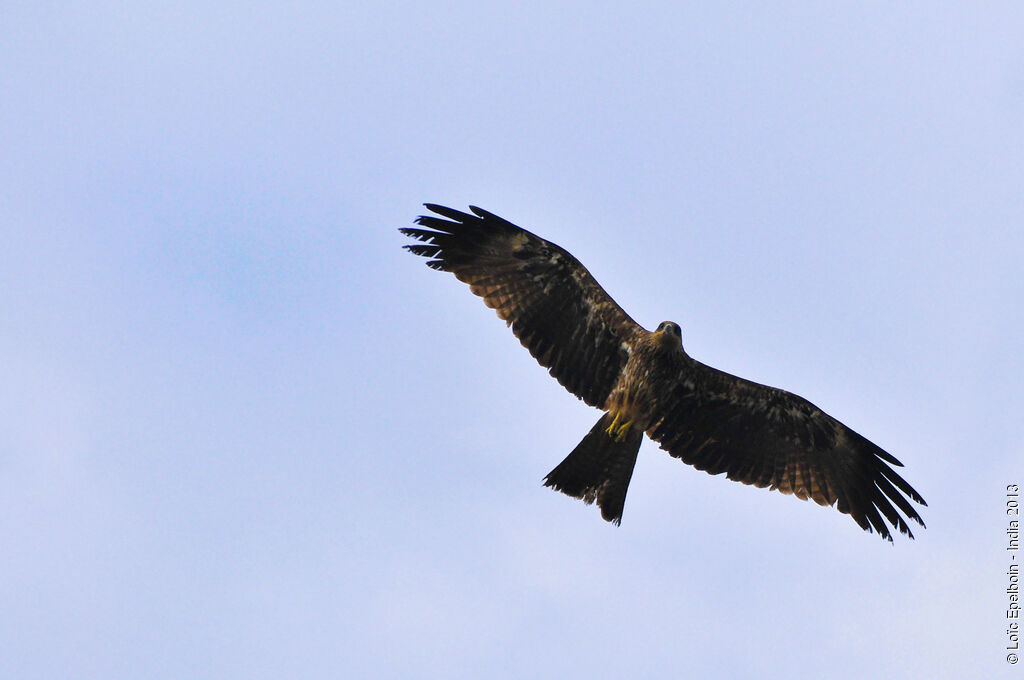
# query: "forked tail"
599 469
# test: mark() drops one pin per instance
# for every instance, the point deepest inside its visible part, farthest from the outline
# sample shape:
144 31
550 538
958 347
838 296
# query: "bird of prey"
645 382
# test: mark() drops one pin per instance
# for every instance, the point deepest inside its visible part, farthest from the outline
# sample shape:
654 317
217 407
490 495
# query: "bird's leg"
619 427
612 428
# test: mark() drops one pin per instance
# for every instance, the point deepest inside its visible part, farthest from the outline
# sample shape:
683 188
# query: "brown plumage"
646 382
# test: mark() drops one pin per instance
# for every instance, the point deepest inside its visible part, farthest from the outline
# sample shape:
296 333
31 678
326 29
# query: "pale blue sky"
243 434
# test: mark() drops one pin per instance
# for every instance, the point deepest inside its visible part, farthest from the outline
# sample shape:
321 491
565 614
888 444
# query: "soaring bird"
645 382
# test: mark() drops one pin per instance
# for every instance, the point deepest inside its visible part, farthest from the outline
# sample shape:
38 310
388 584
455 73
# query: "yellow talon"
623 431
612 428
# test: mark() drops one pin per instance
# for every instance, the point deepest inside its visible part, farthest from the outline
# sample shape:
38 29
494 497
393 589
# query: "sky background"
243 434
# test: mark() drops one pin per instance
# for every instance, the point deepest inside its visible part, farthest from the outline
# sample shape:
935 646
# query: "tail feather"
599 469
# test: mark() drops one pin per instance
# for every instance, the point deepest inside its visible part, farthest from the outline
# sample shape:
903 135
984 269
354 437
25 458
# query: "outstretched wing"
768 437
554 306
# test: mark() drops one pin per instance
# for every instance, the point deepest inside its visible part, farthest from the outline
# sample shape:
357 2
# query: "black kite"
646 382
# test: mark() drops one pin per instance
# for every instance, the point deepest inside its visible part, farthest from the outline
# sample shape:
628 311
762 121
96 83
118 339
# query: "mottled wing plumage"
772 438
554 306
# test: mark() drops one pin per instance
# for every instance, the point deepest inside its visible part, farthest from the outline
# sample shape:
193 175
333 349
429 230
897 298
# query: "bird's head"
669 332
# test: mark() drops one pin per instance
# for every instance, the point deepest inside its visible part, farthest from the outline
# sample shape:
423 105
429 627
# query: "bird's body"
599 469
645 382
636 394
